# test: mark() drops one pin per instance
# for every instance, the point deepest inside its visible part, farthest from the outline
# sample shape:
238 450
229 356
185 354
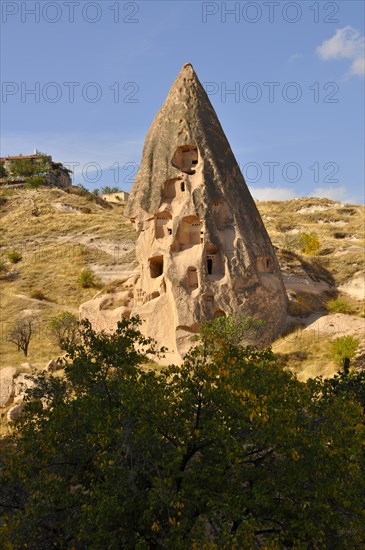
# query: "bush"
344 350
3 172
14 257
33 182
339 305
309 243
38 295
87 279
110 190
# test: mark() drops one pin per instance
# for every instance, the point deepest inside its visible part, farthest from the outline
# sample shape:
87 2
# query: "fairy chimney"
202 248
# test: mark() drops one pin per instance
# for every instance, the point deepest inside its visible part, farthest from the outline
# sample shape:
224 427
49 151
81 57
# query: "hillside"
58 234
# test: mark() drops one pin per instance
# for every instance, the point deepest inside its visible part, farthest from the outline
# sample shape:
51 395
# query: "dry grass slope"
58 234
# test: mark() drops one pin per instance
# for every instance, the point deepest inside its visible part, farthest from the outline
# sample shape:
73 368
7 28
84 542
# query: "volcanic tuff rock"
202 248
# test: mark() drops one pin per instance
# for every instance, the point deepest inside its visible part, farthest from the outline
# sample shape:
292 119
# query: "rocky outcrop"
202 248
7 385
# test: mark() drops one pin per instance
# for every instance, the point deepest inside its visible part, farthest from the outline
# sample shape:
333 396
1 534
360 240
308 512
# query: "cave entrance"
213 260
264 264
210 265
156 266
193 277
185 158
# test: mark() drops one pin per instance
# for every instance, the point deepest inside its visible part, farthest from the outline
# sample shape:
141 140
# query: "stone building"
202 248
54 172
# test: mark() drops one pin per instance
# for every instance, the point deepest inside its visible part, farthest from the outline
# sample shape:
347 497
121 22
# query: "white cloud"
295 57
334 193
272 193
346 43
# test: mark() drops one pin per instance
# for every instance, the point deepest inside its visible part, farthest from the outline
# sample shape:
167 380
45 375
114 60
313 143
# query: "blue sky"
101 70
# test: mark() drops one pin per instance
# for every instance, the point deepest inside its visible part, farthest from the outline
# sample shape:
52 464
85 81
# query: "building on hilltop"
202 248
14 170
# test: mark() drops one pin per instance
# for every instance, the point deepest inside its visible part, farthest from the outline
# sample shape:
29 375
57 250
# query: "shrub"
339 305
309 243
33 182
38 295
14 257
3 172
344 350
87 279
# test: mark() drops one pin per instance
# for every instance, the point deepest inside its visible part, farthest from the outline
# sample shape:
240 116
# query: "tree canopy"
227 450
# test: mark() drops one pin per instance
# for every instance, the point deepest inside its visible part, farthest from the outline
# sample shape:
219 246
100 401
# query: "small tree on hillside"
344 350
65 329
21 334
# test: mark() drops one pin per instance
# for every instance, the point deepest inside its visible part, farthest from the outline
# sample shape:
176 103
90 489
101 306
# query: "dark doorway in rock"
156 266
182 186
210 265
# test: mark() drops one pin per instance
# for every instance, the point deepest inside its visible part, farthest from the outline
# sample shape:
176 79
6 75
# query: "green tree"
227 450
344 349
27 167
309 243
64 329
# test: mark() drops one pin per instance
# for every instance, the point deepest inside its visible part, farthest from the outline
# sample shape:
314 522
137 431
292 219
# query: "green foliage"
339 305
64 329
87 279
3 172
27 167
82 189
309 243
109 190
344 349
14 256
96 192
226 451
33 182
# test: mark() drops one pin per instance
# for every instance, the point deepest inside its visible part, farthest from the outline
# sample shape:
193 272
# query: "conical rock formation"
202 248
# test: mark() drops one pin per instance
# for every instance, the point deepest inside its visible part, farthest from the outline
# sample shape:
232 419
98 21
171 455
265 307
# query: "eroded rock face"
7 385
202 248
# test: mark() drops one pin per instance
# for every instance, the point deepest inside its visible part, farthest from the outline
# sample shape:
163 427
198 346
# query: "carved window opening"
193 277
265 264
189 231
210 264
171 188
219 313
155 294
222 214
186 158
213 260
182 186
161 221
156 266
